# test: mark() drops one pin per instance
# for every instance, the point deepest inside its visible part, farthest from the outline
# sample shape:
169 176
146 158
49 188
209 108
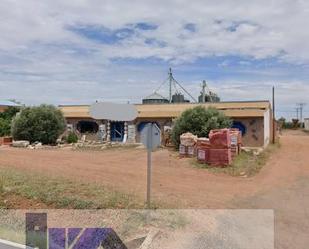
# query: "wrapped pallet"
220 138
220 151
202 149
236 140
220 157
188 144
188 139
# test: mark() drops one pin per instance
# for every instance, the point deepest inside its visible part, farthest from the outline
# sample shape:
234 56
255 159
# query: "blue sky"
76 52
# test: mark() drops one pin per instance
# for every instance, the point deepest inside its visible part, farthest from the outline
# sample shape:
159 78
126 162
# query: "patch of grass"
246 164
1 185
63 193
105 147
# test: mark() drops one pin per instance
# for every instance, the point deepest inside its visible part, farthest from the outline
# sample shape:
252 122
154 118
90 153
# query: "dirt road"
282 185
174 179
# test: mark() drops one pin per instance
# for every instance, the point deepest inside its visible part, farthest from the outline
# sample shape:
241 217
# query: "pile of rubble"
26 144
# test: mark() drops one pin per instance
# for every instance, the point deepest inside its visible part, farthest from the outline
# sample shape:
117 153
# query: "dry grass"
63 193
246 164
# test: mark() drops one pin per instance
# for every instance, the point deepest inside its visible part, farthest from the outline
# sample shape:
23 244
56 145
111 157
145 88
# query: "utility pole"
301 106
170 76
274 116
203 91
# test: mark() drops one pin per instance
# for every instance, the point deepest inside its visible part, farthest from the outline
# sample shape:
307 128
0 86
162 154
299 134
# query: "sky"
80 51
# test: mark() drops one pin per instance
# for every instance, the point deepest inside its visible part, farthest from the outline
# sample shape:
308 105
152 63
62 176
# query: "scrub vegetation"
44 123
61 193
199 121
6 120
246 164
72 138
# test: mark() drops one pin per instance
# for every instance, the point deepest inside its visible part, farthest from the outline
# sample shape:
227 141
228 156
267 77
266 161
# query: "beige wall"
254 136
160 121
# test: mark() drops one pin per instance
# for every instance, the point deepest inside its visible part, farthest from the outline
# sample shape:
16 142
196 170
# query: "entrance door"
117 131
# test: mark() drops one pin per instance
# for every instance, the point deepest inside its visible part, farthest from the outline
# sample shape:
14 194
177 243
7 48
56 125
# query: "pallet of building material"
234 151
6 140
183 150
191 151
188 139
203 142
220 138
202 154
220 157
236 136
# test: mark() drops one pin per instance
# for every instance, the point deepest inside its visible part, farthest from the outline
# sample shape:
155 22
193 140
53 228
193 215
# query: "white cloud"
38 53
252 28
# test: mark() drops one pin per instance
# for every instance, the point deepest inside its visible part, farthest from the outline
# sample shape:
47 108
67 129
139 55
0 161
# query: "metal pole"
301 106
301 115
274 117
204 86
149 149
170 82
296 112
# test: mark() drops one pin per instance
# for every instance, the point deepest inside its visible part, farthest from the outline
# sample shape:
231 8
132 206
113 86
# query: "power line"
185 90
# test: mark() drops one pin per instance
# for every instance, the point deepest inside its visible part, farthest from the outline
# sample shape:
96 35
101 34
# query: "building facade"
253 118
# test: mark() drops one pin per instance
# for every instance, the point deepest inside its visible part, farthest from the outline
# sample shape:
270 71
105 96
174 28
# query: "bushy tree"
199 121
6 120
44 123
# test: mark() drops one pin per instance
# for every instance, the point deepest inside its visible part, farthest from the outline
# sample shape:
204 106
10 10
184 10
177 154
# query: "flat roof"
231 109
8 103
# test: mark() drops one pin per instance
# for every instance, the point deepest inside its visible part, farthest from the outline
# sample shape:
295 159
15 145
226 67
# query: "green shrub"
72 138
6 120
5 127
199 121
44 123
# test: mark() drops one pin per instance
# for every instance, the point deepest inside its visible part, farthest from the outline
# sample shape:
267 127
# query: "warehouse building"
253 118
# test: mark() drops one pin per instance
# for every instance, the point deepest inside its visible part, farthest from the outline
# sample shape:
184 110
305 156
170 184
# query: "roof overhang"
231 109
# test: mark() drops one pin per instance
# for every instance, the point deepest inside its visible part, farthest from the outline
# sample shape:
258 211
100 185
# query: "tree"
44 123
199 121
6 120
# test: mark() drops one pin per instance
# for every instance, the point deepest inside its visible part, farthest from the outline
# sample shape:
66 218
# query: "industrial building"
253 118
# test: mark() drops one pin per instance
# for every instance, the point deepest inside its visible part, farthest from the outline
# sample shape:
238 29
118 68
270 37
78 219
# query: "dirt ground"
174 179
282 184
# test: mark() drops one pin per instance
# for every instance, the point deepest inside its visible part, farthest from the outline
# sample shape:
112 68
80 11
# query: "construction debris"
21 144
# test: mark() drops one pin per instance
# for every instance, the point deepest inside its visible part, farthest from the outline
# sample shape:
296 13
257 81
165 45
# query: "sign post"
149 149
152 134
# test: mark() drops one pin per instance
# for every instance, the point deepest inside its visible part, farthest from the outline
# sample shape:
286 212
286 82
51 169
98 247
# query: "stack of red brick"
219 149
6 140
203 149
220 152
